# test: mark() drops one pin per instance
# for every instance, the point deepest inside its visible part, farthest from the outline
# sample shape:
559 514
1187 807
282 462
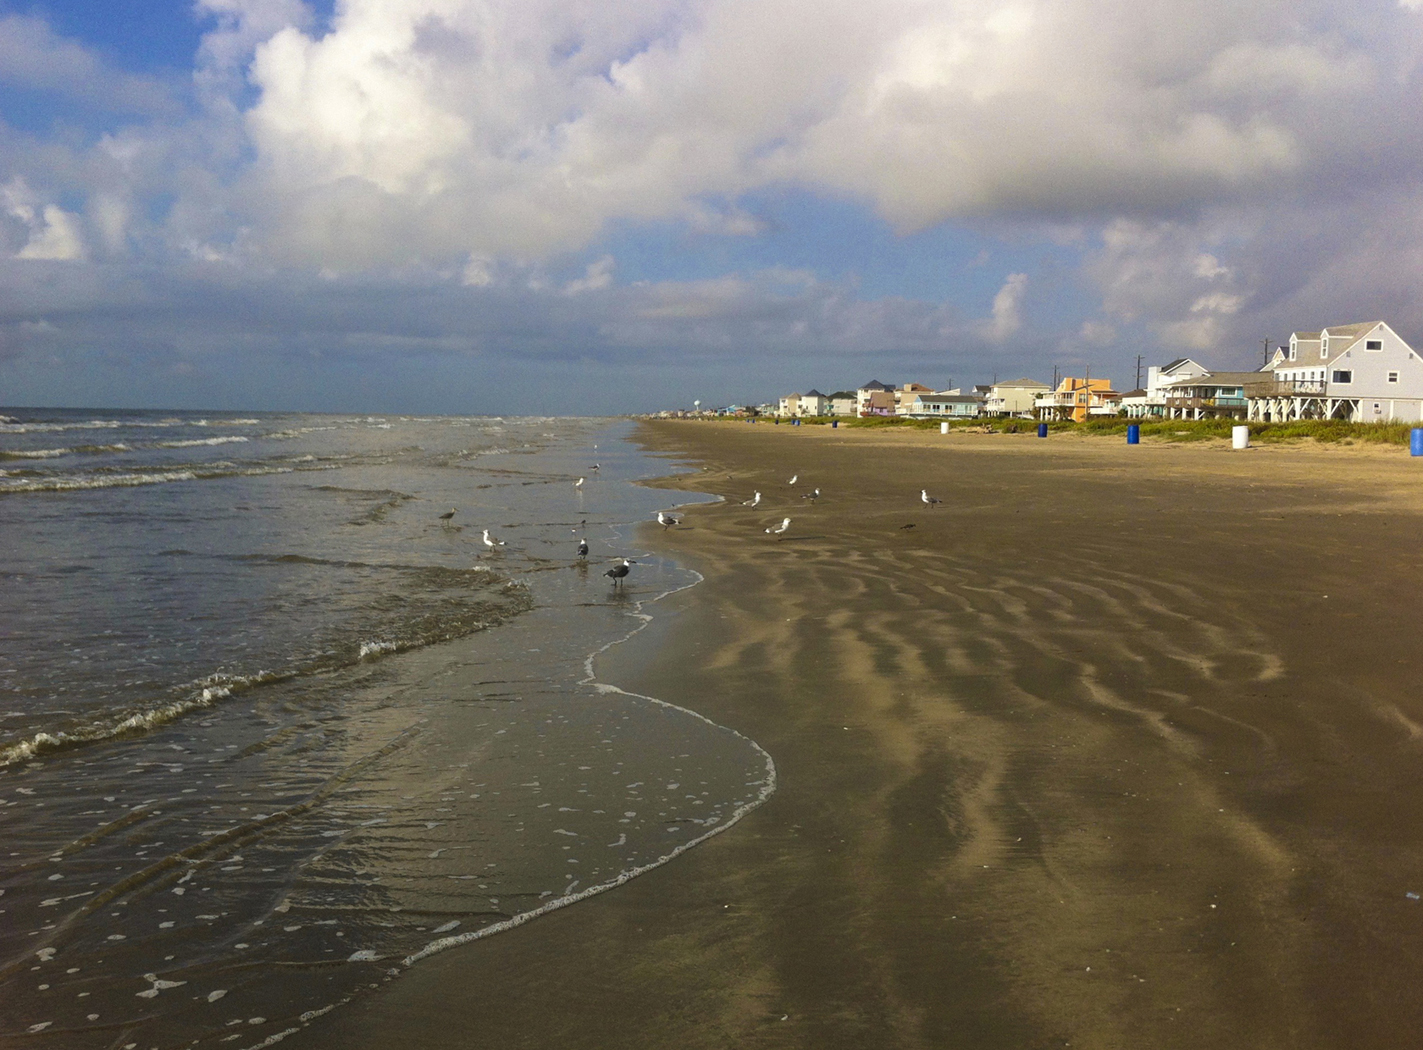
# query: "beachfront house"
842 403
1014 398
1364 373
951 405
1078 399
811 403
874 399
1151 400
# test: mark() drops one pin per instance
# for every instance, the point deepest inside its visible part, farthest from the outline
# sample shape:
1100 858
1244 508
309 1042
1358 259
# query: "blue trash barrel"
834 424
1415 441
1042 430
1133 434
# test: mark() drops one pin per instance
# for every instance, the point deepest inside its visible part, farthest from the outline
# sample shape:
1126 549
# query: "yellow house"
1078 398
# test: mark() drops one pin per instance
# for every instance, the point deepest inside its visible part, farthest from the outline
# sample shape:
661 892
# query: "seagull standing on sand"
929 501
667 520
491 542
812 496
752 501
448 514
794 479
618 572
778 529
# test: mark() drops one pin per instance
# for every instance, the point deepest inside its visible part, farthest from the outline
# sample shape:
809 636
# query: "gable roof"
1023 384
812 392
875 384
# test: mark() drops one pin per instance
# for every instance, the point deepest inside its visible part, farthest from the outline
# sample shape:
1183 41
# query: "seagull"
448 514
812 496
617 572
667 520
595 466
491 542
582 548
752 501
929 501
778 529
578 484
794 479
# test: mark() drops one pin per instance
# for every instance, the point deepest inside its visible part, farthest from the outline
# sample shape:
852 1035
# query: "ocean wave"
412 633
55 453
109 481
195 442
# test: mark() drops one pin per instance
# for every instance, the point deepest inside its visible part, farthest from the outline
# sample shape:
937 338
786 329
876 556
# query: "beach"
1114 747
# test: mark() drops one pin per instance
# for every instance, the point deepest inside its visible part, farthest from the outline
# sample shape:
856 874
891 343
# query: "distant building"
929 405
1078 399
811 403
874 399
1359 372
1013 398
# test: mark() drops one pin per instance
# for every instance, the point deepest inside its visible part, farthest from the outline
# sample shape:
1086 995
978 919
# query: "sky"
611 206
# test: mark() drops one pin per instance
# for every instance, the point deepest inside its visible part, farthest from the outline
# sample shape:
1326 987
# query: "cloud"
53 233
597 277
1007 310
34 57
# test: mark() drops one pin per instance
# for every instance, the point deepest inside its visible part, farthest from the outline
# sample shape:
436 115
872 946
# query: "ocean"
273 729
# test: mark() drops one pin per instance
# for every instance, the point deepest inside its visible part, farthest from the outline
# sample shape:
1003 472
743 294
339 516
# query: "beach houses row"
917 401
1361 373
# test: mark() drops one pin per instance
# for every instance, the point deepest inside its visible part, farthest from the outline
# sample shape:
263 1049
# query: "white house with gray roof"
1364 373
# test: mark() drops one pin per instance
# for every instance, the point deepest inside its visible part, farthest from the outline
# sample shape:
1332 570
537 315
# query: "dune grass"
1322 430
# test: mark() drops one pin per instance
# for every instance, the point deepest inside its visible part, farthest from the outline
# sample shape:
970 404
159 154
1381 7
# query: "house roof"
812 392
1309 346
1218 379
925 395
1023 384
875 384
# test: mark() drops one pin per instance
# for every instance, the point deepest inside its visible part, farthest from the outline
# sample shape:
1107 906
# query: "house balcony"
1289 388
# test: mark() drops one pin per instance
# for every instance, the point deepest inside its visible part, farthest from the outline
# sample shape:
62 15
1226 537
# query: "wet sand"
1117 747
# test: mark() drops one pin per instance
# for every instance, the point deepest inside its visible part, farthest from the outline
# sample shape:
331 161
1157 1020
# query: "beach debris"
619 572
929 501
752 501
777 530
909 526
491 542
667 520
1411 895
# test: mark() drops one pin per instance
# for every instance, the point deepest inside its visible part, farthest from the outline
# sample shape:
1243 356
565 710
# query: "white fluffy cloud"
435 128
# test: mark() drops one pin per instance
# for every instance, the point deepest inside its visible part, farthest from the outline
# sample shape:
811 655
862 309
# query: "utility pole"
1138 372
1267 353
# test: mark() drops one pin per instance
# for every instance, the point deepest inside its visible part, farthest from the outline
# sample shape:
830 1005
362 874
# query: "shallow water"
271 730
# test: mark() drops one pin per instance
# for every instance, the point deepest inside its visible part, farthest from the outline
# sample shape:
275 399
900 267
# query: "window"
1342 377
1292 351
1373 344
1393 377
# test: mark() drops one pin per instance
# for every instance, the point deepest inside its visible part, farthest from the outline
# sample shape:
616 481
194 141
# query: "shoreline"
1106 751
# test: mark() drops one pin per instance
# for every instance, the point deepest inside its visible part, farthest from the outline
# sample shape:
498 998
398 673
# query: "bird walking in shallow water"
448 514
812 496
777 530
582 548
619 572
666 520
752 501
491 542
578 484
929 501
